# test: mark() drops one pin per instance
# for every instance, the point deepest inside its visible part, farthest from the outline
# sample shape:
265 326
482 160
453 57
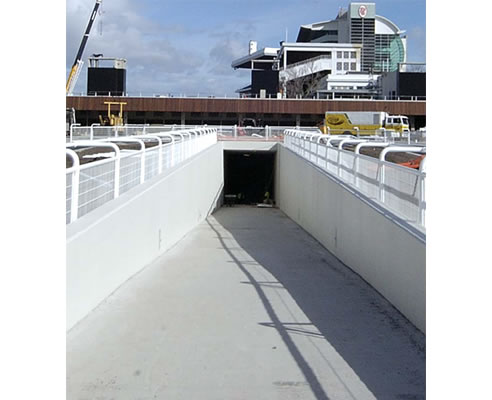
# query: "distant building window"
345 54
339 66
345 66
353 54
339 54
353 66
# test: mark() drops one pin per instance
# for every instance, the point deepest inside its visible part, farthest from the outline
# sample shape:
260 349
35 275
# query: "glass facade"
389 52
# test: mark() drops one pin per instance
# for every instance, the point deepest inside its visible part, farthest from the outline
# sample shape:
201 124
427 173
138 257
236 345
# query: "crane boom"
72 77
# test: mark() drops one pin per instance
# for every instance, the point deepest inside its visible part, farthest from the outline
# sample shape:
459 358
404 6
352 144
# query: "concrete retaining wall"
389 257
112 243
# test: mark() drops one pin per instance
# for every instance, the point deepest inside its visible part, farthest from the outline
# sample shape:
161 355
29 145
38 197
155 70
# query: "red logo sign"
362 11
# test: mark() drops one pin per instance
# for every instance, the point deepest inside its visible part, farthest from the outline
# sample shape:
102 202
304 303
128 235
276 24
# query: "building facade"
383 43
326 55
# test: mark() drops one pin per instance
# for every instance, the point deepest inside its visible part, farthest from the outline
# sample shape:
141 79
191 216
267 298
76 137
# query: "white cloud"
151 58
171 50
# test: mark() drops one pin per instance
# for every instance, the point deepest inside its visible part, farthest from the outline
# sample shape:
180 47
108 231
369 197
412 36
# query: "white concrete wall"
387 256
112 243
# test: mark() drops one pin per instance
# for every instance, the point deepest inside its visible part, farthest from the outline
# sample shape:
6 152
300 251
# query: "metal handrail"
235 97
195 142
314 151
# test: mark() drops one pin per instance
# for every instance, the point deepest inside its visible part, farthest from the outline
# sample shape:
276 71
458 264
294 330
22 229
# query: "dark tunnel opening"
249 177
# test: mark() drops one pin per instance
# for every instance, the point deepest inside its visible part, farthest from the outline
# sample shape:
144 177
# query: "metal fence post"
381 181
92 130
356 170
142 165
71 131
173 145
421 218
117 175
74 205
339 162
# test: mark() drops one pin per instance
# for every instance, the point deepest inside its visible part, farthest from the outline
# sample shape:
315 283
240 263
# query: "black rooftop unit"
267 80
106 81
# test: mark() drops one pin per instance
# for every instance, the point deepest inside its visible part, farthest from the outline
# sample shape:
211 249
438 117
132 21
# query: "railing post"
159 159
381 181
173 152
92 130
71 131
74 205
267 134
339 162
356 170
421 217
235 131
384 133
142 165
357 130
117 175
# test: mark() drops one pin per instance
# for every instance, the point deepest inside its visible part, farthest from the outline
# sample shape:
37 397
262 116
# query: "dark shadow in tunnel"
249 175
382 347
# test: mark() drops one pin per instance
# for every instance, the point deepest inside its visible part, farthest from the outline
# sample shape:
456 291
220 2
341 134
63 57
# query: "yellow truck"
363 123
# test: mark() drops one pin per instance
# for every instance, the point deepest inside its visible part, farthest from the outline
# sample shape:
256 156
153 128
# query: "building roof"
383 26
265 55
318 47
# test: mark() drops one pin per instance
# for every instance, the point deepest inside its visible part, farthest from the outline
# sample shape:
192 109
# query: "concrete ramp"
246 306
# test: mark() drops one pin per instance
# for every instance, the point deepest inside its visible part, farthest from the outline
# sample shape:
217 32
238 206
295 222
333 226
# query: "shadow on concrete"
308 373
380 345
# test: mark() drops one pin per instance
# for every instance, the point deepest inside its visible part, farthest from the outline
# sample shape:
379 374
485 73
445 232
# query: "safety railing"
272 97
101 170
234 132
398 188
224 132
268 133
389 135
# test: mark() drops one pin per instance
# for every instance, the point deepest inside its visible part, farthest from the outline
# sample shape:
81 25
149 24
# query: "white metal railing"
310 60
269 133
232 132
398 188
224 132
239 97
100 170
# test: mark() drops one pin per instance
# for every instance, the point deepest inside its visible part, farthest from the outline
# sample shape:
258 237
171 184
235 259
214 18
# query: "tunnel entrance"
248 175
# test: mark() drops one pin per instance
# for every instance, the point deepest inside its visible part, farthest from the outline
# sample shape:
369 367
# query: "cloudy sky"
187 46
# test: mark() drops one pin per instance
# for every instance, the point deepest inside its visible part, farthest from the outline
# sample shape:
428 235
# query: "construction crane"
77 65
